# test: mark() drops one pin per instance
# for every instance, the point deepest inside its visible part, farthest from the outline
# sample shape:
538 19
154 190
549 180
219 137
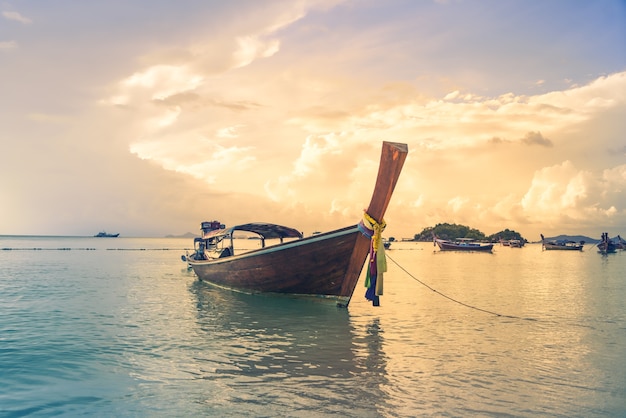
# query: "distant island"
455 231
575 238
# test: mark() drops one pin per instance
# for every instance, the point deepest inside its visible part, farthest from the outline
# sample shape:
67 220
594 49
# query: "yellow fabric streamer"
378 228
378 249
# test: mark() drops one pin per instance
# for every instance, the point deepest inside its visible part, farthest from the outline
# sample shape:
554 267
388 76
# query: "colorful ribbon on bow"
377 262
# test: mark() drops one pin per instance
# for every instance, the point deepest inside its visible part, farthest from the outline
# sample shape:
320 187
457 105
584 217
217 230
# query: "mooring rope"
455 300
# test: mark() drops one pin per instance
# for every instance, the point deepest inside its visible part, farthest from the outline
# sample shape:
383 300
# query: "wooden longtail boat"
561 245
462 244
324 266
607 245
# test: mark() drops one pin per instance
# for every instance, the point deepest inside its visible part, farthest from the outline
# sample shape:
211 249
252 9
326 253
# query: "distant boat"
513 243
606 245
620 244
103 234
324 266
561 244
462 244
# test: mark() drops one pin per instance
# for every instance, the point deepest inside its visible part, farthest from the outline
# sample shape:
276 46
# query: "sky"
146 118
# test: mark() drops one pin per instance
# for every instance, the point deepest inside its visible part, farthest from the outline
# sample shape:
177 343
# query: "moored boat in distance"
620 243
561 244
463 244
103 234
513 243
324 266
607 245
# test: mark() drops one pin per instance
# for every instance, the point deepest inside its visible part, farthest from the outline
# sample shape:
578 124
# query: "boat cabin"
217 241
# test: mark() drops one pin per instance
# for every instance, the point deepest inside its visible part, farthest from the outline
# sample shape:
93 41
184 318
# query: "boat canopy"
265 230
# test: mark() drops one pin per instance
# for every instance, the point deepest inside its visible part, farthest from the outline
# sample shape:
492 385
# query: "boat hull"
316 267
451 246
607 248
558 247
561 244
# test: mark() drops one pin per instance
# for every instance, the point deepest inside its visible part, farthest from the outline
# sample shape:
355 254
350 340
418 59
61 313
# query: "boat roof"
265 230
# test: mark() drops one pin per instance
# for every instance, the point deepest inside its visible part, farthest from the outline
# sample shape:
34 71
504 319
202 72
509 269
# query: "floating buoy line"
456 300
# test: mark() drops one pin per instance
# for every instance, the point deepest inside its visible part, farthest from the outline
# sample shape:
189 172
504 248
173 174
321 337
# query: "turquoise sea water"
119 327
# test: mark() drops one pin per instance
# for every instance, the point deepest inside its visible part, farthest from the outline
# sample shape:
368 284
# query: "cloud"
7 45
204 159
164 81
250 48
313 152
229 132
535 138
17 17
197 129
563 192
334 165
621 150
458 203
586 100
282 109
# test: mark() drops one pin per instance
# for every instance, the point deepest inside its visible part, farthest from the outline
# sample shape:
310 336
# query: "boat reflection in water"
286 354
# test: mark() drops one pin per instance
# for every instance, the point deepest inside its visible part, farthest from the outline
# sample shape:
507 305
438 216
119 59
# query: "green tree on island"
454 231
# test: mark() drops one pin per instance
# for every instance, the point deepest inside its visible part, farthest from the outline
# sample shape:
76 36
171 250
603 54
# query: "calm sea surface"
119 327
